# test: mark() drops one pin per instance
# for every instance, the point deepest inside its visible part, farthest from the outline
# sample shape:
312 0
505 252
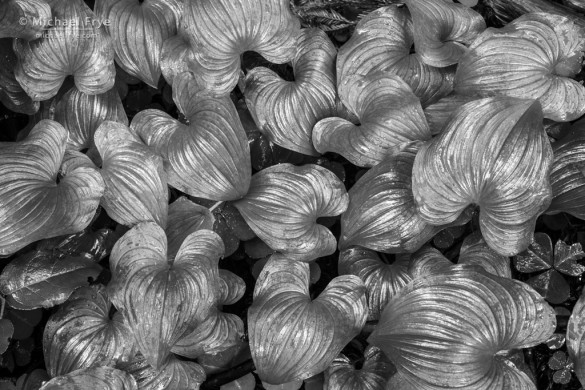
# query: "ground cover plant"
305 194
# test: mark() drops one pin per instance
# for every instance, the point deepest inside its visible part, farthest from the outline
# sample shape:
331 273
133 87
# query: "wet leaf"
373 375
537 257
34 205
475 251
285 111
428 261
82 334
313 331
551 285
38 279
12 96
247 382
105 378
185 217
438 113
449 329
576 338
566 257
493 153
283 204
24 19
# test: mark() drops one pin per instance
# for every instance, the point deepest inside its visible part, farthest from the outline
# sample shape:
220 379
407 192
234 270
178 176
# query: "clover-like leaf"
382 41
448 330
35 204
546 50
285 111
82 334
382 278
389 114
537 257
103 378
283 204
293 337
24 19
382 212
174 374
11 93
40 279
576 338
373 374
164 299
566 257
76 46
567 175
136 187
210 158
221 30
185 217
442 29
138 30
493 153
81 114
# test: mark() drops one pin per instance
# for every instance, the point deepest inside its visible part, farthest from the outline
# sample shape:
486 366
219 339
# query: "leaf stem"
216 205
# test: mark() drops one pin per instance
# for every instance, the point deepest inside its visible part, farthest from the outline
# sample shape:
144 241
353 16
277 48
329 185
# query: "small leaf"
558 360
39 279
537 257
103 378
6 332
566 257
551 285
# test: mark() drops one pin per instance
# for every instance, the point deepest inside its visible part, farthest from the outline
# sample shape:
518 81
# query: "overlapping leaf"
34 203
388 112
438 113
287 111
567 175
24 19
447 330
82 334
76 46
41 279
475 251
174 374
442 29
293 338
576 338
382 212
103 378
428 261
373 375
164 299
221 30
176 54
210 158
138 30
546 51
493 153
283 204
11 93
382 41
383 279
81 114
136 187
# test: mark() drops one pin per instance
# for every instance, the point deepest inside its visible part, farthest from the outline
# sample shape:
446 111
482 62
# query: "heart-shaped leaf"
164 299
537 257
442 29
389 115
33 205
177 54
24 19
12 96
438 113
382 41
285 111
475 251
547 50
383 279
185 217
283 204
174 374
576 338
428 261
39 279
493 153
210 158
77 46
138 30
136 187
448 330
293 337
103 378
566 257
373 374
217 53
82 334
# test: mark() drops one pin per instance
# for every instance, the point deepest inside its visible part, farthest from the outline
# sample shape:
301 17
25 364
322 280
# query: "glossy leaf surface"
11 93
283 204
373 375
308 333
493 153
546 50
381 42
24 19
445 331
287 111
475 251
105 378
34 204
576 338
82 334
136 186
388 112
